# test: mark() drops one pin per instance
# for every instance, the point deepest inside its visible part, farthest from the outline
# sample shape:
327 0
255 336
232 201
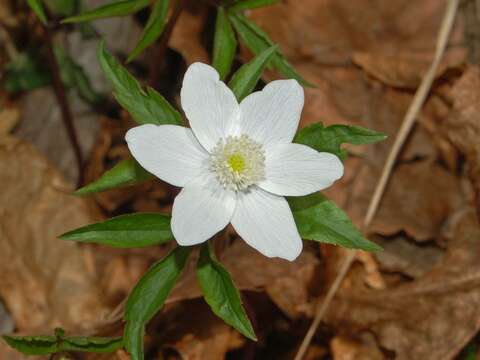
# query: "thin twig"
62 100
158 61
406 127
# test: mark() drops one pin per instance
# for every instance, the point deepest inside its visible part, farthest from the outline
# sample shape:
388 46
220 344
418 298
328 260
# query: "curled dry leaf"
403 256
462 127
328 34
404 71
187 34
45 282
420 197
9 118
363 347
432 317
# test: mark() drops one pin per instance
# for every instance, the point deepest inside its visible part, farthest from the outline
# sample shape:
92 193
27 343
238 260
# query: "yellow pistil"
236 163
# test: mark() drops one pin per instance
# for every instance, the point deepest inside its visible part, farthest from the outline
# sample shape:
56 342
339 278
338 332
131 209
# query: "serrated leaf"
145 107
251 4
118 8
33 345
221 294
257 41
149 295
91 344
125 231
37 7
224 44
330 138
246 78
45 345
125 173
319 219
153 29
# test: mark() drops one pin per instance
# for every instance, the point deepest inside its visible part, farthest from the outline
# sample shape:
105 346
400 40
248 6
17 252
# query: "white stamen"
238 162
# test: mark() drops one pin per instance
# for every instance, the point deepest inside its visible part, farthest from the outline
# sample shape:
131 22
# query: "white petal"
271 116
170 152
266 223
210 106
296 170
202 209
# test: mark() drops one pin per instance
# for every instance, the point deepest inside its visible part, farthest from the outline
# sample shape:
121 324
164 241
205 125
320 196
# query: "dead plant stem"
60 94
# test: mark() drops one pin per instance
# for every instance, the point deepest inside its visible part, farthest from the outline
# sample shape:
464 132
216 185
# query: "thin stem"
158 61
404 131
60 93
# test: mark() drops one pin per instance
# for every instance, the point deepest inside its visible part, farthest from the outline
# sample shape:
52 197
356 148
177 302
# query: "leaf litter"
417 300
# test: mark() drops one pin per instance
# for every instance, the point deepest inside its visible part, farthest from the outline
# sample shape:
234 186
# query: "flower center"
238 162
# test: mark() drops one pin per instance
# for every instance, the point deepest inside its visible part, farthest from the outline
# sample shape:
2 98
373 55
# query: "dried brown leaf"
419 199
462 127
45 282
432 317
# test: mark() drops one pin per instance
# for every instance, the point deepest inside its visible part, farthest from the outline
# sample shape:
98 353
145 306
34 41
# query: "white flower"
236 163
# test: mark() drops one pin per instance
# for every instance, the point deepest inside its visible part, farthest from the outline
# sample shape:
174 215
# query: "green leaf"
145 107
33 345
37 7
45 345
330 138
74 77
91 344
251 4
319 219
224 44
125 173
257 41
26 72
118 8
148 297
125 231
221 294
246 78
153 29
62 7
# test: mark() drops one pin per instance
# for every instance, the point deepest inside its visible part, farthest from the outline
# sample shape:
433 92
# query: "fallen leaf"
363 347
45 282
403 256
418 200
462 127
405 71
187 34
432 317
9 118
196 333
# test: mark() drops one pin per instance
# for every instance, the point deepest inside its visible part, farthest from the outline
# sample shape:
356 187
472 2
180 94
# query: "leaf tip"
83 191
65 236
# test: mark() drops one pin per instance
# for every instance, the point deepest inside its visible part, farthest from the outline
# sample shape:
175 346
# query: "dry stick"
403 132
157 61
61 96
